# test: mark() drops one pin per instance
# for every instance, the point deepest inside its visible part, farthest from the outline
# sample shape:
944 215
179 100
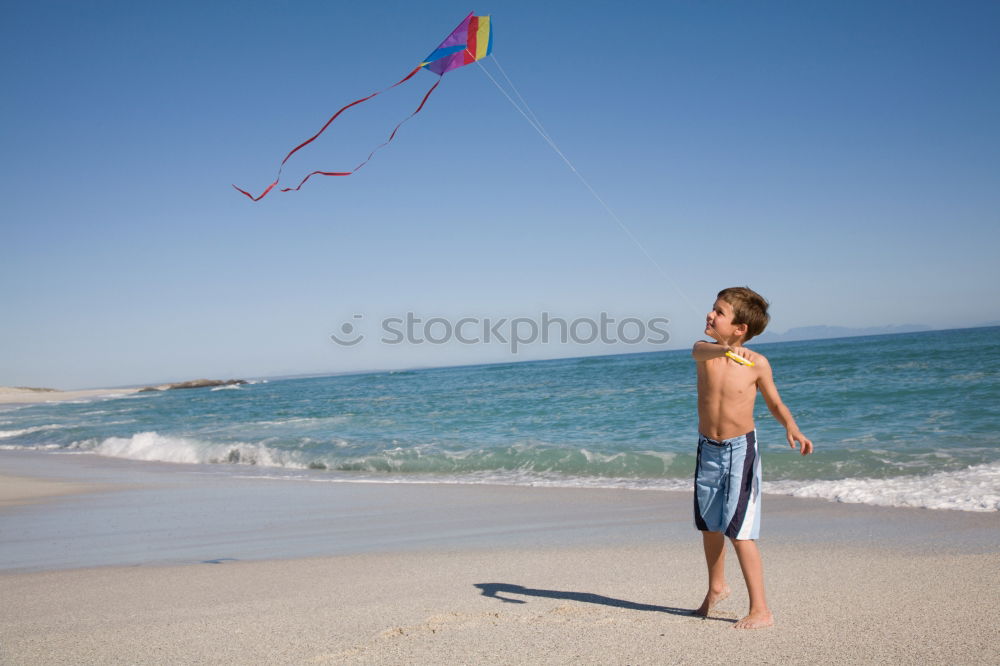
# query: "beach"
159 563
313 358
24 396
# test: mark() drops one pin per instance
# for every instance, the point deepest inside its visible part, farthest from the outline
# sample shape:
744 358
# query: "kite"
472 40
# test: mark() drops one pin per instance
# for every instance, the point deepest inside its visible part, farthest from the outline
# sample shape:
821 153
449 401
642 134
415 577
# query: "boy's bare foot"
711 600
755 621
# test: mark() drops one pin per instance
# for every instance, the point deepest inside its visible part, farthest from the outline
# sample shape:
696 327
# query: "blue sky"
842 158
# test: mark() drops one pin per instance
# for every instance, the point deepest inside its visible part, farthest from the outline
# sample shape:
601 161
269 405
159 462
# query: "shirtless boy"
727 478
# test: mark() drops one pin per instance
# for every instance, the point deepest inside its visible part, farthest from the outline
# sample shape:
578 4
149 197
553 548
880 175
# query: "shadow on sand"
494 590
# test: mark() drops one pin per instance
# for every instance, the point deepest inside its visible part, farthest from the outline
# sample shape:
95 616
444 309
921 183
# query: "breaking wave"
975 488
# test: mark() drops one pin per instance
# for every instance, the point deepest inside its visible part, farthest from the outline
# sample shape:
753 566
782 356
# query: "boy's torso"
726 394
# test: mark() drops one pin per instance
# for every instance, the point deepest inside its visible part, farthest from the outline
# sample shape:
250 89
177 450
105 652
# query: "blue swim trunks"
727 486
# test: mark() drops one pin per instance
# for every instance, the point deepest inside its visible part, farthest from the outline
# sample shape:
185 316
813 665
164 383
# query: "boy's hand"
796 436
744 352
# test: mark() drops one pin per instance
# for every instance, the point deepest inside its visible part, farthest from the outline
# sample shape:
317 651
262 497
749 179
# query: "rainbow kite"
472 40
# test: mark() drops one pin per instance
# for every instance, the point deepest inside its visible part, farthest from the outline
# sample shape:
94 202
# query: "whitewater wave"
5 434
153 447
975 488
531 458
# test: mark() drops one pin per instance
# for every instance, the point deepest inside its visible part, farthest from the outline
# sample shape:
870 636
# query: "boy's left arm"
765 382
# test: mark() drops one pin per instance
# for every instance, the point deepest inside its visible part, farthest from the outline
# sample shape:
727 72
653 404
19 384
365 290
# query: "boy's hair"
749 308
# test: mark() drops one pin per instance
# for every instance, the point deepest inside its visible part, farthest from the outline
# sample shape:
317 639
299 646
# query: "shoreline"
972 489
166 513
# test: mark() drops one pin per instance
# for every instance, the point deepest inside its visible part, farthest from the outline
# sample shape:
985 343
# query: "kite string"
521 98
537 126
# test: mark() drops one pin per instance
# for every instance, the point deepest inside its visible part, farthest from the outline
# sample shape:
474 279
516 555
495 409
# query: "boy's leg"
753 573
715 558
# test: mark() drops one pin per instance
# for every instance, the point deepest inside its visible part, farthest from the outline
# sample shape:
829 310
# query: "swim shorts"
727 486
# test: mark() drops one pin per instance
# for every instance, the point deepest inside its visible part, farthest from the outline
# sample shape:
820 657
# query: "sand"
16 490
847 583
10 394
600 605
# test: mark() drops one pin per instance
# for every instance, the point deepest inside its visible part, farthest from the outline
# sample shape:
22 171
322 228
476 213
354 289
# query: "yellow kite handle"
739 359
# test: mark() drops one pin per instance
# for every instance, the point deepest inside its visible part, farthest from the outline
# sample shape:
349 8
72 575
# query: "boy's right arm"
704 351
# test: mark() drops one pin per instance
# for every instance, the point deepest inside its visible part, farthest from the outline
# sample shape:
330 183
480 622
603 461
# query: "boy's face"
719 323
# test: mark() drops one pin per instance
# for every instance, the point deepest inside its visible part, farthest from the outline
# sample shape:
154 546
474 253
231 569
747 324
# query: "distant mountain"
820 332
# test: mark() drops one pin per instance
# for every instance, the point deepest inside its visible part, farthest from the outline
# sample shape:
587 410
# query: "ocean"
898 420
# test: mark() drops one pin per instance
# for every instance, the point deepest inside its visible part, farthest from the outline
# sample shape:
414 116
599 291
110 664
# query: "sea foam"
4 434
975 488
153 447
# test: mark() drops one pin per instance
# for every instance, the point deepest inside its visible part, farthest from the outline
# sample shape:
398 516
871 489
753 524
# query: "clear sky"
842 158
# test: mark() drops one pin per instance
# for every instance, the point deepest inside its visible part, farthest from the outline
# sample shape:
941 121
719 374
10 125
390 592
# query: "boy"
727 477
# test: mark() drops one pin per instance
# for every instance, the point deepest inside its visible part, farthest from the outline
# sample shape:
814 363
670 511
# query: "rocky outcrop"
194 383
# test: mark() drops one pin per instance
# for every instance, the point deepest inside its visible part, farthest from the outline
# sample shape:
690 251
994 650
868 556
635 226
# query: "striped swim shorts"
727 486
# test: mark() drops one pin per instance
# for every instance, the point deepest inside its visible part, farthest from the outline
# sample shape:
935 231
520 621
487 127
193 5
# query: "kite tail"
323 129
370 155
